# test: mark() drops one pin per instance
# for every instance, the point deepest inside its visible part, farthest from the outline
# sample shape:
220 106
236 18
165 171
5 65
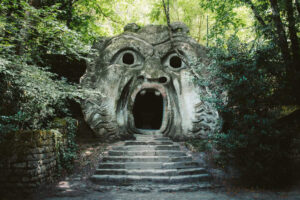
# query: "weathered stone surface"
32 167
20 165
138 83
149 168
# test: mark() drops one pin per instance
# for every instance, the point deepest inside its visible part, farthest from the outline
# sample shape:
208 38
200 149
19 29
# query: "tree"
271 28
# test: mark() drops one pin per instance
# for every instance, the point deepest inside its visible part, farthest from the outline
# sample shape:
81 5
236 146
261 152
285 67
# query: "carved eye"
128 58
173 61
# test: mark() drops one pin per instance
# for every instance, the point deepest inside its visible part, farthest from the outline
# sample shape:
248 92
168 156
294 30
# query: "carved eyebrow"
163 42
178 44
115 56
136 38
133 43
170 51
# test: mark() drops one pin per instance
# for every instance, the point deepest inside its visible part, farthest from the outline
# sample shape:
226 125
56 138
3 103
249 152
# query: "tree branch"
258 17
167 13
255 12
107 16
298 6
292 30
282 39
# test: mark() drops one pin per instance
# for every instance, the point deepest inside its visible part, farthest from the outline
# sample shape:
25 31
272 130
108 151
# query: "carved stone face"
140 84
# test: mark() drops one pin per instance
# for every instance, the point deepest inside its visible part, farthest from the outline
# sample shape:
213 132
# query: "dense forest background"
254 45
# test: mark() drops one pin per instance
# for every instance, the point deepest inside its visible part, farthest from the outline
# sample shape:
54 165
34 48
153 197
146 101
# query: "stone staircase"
150 160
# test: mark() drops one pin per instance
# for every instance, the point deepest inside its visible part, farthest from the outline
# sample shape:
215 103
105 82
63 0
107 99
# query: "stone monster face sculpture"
140 84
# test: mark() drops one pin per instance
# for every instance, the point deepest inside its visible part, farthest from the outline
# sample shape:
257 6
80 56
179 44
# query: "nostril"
163 79
141 78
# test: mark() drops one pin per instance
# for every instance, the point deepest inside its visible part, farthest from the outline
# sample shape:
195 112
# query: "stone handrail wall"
28 159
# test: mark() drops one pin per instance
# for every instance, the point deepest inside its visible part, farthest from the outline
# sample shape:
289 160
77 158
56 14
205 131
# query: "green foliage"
66 146
201 145
31 96
252 75
258 79
249 140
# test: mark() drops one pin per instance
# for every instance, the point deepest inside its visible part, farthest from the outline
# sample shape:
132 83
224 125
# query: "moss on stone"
16 145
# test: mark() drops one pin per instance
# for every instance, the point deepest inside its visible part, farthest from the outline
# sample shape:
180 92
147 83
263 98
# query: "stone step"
146 159
147 153
150 135
158 138
151 142
160 187
149 159
148 165
151 172
153 137
130 179
147 147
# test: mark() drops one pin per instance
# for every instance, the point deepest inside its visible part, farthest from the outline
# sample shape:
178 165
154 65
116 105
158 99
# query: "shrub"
31 96
249 140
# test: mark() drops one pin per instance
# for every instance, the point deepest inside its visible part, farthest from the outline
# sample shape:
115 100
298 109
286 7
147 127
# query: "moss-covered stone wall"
28 159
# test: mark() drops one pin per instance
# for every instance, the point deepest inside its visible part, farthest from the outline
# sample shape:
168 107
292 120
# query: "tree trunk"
24 28
298 6
199 28
20 41
35 3
265 27
9 20
292 31
69 13
255 12
282 39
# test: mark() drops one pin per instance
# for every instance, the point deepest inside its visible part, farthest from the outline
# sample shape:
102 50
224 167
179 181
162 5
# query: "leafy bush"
66 146
249 140
31 96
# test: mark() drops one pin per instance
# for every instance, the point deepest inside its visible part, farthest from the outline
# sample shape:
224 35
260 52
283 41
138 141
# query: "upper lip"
156 86
144 91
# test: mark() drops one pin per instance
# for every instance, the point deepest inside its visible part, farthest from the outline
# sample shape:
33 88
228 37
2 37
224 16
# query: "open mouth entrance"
148 109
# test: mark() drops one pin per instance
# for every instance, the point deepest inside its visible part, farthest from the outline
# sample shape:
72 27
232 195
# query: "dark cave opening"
148 110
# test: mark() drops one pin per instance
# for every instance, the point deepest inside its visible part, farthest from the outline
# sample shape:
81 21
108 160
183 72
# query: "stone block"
19 165
37 150
53 164
19 171
33 172
25 179
43 169
35 179
33 164
32 185
50 154
33 157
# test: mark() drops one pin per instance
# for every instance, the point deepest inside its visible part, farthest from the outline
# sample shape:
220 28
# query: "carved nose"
161 79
